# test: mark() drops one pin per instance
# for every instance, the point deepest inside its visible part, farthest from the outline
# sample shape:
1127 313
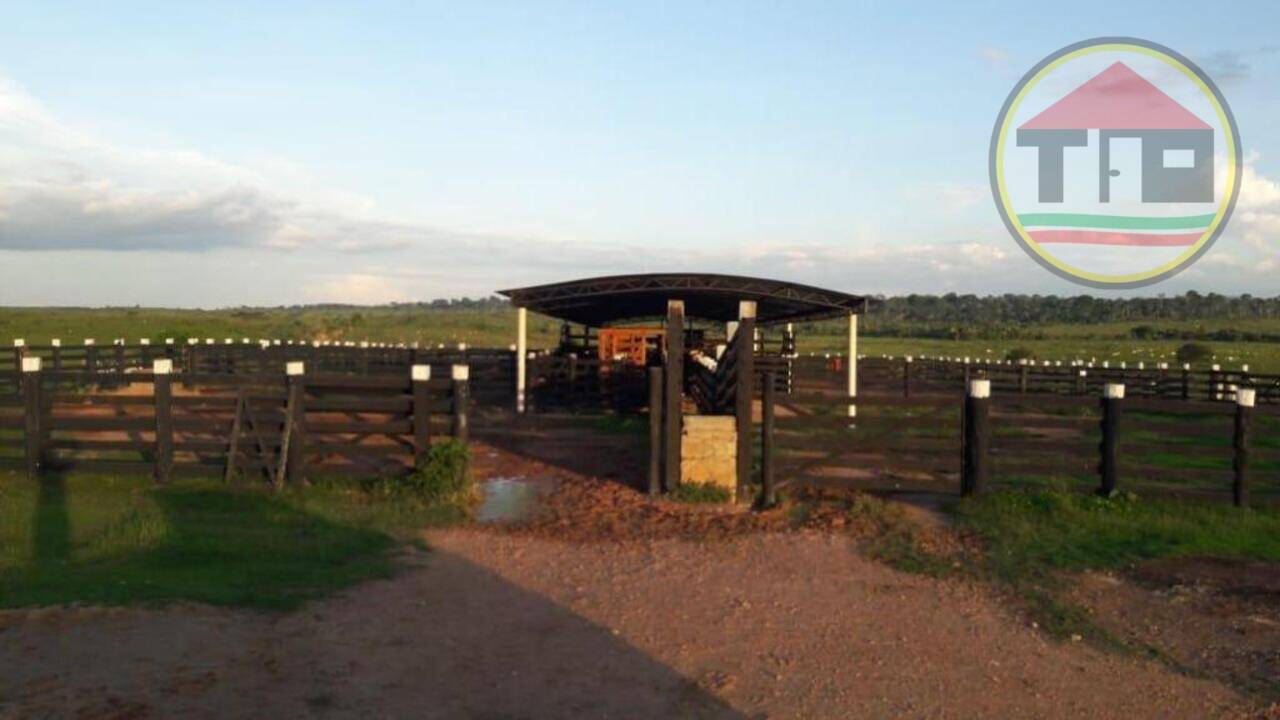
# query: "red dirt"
607 606
1216 618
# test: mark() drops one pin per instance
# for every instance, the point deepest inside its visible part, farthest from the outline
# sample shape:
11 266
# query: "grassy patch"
617 424
892 538
112 541
1030 538
697 493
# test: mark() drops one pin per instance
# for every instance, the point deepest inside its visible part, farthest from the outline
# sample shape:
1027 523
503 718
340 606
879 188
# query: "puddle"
512 499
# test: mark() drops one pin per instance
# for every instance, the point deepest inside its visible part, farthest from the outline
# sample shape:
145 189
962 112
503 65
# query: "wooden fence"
281 426
906 376
111 365
915 441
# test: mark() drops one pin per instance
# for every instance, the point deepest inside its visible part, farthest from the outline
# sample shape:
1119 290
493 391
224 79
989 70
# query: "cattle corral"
840 469
228 406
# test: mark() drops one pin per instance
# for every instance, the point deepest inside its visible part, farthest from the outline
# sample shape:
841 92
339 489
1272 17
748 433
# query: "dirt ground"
629 609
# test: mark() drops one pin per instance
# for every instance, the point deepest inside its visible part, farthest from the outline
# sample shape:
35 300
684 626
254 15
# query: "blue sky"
225 154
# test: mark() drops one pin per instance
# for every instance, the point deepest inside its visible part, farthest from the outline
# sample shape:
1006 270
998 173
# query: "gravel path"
496 625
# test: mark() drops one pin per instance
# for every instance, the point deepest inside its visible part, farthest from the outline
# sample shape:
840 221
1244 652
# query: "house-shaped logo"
1177 146
1115 162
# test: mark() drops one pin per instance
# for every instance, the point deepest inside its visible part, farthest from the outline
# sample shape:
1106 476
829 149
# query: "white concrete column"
522 354
851 366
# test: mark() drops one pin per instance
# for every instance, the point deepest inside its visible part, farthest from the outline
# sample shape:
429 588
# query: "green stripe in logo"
1116 222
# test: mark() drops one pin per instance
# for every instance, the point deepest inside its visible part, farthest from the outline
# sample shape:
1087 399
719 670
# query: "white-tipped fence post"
293 450
1109 464
162 370
420 378
975 471
461 380
1245 399
32 414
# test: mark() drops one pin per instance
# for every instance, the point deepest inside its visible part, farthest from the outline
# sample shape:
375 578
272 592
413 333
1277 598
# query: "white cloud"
63 189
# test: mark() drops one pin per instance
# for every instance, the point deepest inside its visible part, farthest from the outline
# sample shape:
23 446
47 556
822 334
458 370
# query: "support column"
673 396
522 355
744 393
851 367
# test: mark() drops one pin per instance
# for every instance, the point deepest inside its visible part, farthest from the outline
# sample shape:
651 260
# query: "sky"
227 154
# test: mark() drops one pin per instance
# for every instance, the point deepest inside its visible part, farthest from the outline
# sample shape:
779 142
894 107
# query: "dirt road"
496 625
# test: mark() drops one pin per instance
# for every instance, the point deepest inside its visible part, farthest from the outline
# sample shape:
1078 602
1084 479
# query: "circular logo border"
1032 248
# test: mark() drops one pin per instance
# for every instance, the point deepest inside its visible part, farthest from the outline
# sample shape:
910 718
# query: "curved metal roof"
619 298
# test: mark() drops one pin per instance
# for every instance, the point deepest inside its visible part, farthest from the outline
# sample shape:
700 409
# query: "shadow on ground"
602 446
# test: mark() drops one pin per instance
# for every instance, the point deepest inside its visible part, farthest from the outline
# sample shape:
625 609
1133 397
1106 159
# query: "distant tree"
1019 353
1194 353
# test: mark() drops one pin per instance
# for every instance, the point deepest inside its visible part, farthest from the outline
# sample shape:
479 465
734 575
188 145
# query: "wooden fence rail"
1201 448
282 426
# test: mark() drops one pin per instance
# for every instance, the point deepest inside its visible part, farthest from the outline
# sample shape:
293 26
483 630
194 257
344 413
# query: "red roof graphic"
1116 99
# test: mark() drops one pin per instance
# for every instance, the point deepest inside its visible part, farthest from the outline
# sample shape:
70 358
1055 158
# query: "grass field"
105 540
496 328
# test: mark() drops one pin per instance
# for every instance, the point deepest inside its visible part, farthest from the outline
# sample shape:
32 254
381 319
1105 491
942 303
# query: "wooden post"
1109 466
1081 382
655 431
522 355
119 363
744 392
975 469
673 397
90 360
420 377
461 391
768 495
32 412
1245 398
57 355
192 365
293 451
851 367
19 352
162 371
1024 372
906 376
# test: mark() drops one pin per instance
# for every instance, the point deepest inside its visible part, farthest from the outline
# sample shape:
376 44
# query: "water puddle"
512 499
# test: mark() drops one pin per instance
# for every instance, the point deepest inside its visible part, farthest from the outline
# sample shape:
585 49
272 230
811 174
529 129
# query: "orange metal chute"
628 344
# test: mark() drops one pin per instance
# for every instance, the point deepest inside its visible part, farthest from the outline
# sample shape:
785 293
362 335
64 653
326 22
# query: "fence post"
162 370
1081 382
461 375
906 376
56 344
420 376
119 381
1186 381
744 393
655 431
32 410
19 352
1023 372
1108 467
673 396
1240 463
294 451
767 492
975 466
90 360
